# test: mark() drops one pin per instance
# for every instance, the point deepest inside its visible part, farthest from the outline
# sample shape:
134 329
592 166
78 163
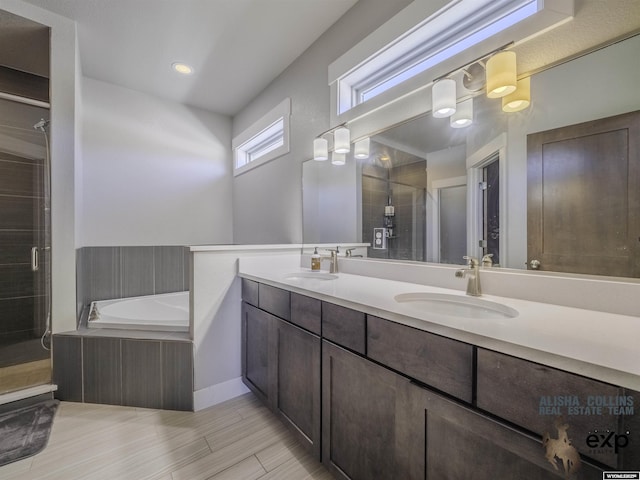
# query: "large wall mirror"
432 193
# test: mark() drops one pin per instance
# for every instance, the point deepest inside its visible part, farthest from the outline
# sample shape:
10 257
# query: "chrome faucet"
473 272
333 268
349 254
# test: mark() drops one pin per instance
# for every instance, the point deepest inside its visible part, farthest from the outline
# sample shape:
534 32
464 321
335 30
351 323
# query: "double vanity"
382 378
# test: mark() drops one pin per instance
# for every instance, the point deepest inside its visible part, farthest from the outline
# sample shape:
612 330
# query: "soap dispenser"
315 260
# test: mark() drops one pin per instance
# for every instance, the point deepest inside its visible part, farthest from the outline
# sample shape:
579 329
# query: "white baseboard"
218 393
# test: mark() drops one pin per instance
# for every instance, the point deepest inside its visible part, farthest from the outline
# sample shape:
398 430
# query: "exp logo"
607 440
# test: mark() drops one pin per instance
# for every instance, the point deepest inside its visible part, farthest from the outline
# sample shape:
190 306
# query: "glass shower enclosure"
24 246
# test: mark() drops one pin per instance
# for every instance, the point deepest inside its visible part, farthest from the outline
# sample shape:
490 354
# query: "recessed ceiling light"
182 68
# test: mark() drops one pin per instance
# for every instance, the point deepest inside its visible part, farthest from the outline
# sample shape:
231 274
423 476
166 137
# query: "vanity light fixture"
443 97
495 72
463 117
520 98
341 143
361 149
501 74
320 149
342 140
182 68
338 158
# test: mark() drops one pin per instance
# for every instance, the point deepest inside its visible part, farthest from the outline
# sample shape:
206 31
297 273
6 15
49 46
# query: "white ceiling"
237 47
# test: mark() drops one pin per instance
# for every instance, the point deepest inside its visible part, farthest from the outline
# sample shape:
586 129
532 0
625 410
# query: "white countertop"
598 345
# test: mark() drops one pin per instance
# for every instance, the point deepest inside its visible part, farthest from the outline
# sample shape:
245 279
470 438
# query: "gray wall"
267 201
153 171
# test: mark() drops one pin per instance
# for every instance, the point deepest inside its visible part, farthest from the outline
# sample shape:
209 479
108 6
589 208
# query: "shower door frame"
40 249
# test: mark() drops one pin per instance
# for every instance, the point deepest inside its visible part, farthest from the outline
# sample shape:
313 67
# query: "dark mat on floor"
25 432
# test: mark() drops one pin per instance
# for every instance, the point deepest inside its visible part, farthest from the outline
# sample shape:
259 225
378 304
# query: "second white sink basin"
310 276
455 305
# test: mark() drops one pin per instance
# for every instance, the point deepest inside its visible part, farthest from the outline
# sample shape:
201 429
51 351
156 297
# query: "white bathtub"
167 312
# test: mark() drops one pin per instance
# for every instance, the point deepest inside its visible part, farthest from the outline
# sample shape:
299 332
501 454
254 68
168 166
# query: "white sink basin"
302 276
455 305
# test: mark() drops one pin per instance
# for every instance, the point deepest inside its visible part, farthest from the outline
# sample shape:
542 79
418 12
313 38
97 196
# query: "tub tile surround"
553 326
105 273
124 371
126 367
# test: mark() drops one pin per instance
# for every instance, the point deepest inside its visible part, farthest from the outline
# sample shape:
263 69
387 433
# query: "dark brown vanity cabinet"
397 402
281 361
256 361
367 430
296 382
379 424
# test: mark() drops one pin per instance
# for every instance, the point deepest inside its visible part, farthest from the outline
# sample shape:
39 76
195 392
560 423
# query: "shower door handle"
34 259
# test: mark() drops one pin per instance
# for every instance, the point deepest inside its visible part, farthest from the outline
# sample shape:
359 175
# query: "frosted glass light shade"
320 149
464 114
501 74
443 97
342 140
338 158
361 149
520 98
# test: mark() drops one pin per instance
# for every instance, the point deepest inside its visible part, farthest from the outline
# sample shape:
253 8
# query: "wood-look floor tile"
247 469
296 469
225 457
237 431
279 453
153 461
16 469
237 440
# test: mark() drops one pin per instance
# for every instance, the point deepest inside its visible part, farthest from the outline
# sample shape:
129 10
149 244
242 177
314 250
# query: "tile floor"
236 440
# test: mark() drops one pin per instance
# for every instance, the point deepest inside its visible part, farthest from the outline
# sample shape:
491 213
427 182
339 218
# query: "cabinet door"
256 362
460 444
298 383
366 430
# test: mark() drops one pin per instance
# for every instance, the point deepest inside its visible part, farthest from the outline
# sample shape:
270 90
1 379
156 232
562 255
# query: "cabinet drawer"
437 361
344 326
534 396
274 300
306 312
250 291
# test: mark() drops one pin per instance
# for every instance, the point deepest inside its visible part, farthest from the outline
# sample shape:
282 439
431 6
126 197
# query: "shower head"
41 125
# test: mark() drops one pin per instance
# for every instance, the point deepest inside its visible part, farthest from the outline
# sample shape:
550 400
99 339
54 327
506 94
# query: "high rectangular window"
265 140
456 28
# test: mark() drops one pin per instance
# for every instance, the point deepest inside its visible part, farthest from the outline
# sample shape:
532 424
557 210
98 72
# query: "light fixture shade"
342 140
443 96
464 114
338 158
501 74
520 99
361 149
320 149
